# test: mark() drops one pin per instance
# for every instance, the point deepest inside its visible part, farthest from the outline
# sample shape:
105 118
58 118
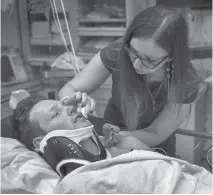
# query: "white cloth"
138 172
24 171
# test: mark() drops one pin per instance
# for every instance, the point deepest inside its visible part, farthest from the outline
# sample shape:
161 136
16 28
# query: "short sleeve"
191 86
110 54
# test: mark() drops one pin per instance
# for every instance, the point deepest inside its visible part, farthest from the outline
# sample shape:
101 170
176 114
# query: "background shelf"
111 20
39 61
47 41
101 31
86 56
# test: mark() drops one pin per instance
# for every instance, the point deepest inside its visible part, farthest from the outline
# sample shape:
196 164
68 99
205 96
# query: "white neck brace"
76 135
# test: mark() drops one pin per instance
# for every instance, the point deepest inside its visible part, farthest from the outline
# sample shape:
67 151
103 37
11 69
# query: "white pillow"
24 171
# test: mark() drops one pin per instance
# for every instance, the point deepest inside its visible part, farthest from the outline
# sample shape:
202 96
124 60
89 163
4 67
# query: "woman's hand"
111 135
113 138
81 100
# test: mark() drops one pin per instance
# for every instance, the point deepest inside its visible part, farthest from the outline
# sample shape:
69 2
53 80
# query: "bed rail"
204 135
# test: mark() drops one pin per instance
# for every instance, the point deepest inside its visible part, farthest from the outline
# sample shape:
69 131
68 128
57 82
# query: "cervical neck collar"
76 135
61 149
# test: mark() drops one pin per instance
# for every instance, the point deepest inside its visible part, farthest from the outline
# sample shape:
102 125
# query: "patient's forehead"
44 104
41 108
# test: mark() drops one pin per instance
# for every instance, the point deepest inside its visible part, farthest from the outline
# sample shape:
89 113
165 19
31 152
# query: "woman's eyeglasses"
148 63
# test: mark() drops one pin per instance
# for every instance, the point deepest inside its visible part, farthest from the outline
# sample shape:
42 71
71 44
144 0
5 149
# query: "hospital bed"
24 171
6 131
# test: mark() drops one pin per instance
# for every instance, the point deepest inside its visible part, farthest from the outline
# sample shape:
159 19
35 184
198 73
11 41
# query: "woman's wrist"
124 132
66 91
149 129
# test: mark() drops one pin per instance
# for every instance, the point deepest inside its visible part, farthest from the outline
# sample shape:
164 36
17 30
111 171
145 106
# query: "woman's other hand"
113 138
111 135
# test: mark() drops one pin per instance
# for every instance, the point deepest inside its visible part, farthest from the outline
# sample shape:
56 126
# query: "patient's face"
52 115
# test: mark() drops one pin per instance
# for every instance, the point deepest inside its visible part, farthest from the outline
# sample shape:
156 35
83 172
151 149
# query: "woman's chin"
144 73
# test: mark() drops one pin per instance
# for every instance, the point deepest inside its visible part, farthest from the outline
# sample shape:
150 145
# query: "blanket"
24 171
138 172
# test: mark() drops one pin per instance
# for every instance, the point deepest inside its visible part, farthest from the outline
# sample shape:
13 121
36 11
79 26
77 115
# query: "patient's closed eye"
56 114
134 57
70 110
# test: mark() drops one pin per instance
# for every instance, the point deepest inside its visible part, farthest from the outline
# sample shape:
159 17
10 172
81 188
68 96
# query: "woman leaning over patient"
153 80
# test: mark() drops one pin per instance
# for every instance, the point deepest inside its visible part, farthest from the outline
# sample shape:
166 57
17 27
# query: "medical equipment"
63 151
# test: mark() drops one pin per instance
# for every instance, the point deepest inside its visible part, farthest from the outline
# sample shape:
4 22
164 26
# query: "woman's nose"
137 64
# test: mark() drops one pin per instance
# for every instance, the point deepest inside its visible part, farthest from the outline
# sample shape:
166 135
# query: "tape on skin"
16 97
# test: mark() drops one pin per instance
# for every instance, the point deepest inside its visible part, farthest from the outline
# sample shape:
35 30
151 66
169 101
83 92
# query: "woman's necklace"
153 97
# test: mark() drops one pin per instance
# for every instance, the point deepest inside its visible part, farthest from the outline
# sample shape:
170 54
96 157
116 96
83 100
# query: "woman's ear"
37 141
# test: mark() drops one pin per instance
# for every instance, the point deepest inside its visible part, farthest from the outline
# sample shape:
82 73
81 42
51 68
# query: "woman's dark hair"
168 28
24 129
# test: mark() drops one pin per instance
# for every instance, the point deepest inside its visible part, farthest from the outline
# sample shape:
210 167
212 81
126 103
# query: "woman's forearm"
162 127
169 119
88 80
66 90
148 136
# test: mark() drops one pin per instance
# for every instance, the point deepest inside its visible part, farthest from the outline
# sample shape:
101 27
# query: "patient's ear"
37 141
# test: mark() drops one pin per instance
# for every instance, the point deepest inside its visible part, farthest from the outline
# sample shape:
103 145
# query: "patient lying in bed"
64 137
139 171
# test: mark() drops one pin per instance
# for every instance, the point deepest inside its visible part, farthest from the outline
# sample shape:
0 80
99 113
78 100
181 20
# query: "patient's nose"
70 110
